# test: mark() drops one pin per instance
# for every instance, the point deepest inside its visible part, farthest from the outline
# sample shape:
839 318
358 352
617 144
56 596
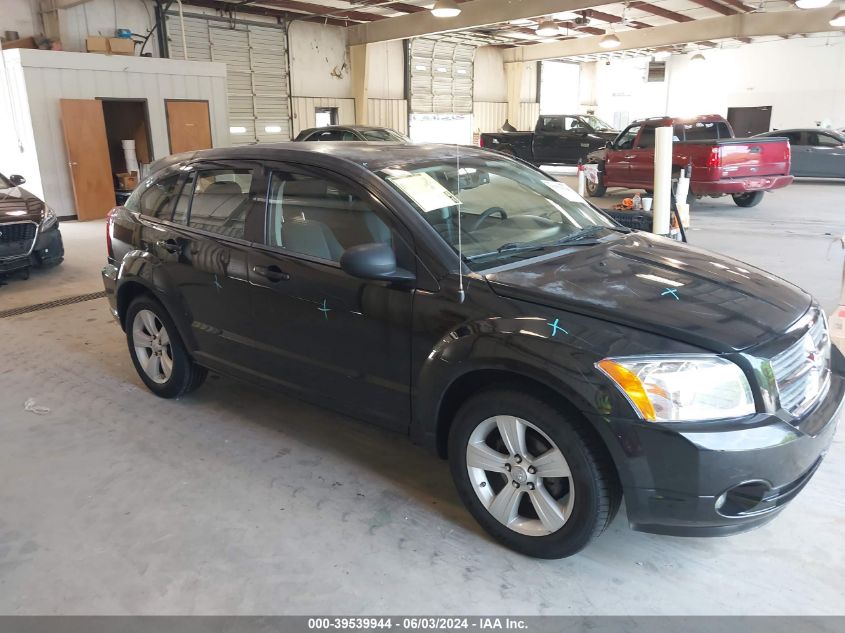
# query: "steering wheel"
487 213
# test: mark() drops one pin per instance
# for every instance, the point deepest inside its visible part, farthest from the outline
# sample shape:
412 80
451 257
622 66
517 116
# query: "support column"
360 76
513 71
662 180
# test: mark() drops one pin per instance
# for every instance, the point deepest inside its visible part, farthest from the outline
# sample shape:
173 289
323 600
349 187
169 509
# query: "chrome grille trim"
802 371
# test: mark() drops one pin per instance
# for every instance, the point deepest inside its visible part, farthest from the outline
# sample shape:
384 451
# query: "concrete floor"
238 501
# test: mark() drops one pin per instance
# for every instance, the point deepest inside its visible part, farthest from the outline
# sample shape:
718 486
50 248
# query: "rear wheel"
159 356
536 480
751 199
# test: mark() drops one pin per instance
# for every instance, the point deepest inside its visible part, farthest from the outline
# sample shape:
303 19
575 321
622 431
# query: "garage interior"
238 501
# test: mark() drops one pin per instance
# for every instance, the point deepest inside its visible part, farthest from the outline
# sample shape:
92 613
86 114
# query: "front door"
337 338
641 159
618 164
88 157
188 125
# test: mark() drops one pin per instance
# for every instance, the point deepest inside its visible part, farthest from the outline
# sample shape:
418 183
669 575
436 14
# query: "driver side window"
312 216
626 141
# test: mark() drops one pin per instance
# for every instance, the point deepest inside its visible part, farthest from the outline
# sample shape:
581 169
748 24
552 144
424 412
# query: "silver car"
816 152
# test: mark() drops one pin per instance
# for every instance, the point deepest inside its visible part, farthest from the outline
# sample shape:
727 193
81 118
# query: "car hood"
661 286
17 204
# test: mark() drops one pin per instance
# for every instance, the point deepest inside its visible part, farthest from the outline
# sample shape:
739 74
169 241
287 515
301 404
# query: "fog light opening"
746 498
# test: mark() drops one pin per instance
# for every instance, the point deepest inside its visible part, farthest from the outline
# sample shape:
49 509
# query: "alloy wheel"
152 346
520 476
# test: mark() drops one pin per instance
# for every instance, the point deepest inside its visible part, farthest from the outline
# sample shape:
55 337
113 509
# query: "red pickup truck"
722 165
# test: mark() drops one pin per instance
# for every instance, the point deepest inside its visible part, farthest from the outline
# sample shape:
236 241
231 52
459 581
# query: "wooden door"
88 157
188 125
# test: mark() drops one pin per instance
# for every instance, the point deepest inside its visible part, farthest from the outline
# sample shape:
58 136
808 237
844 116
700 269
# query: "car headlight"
50 218
681 388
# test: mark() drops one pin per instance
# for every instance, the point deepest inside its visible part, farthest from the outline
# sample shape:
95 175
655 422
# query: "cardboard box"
121 46
96 44
26 42
128 180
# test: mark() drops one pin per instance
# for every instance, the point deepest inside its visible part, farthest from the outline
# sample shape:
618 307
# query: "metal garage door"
256 68
441 76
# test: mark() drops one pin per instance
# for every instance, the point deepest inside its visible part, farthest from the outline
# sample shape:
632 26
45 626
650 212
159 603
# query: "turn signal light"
631 385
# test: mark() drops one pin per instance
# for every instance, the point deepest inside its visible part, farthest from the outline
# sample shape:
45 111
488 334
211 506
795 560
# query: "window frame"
393 222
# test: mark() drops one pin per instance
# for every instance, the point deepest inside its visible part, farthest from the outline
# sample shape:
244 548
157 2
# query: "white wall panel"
488 116
528 115
304 111
53 75
392 113
319 60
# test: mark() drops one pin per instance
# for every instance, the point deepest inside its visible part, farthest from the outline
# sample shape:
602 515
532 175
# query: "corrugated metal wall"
257 68
304 111
441 76
528 115
54 75
392 113
488 116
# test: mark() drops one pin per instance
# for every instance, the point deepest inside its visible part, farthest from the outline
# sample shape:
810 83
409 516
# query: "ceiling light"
660 56
547 28
609 40
838 19
566 15
698 57
445 9
811 4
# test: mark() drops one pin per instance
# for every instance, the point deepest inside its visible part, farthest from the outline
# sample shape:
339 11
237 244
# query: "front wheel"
751 199
159 356
595 189
538 482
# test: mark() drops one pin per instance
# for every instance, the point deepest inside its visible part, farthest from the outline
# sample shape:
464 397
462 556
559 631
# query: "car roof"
348 127
372 156
674 120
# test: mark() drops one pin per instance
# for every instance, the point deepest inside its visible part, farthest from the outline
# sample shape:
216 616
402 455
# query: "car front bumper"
729 478
47 250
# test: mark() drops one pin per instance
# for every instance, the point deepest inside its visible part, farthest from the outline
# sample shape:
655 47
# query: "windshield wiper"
589 232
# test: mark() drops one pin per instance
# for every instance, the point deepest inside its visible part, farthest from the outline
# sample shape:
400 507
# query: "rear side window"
794 137
327 135
221 200
551 124
156 201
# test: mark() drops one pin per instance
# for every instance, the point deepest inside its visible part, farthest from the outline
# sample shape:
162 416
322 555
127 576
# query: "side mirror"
373 261
17 180
608 145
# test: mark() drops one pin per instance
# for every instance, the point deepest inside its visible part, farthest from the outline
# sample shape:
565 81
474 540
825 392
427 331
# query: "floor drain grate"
51 304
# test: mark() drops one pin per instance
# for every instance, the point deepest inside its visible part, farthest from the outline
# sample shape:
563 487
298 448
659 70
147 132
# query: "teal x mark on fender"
556 328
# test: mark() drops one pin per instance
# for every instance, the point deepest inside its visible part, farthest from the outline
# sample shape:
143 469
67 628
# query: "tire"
147 316
747 200
595 189
577 508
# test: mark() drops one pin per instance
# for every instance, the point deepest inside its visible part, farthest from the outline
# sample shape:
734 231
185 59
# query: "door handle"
272 273
632 156
171 246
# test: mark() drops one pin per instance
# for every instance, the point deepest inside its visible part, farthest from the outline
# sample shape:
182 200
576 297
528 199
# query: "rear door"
547 135
799 152
825 155
206 248
335 337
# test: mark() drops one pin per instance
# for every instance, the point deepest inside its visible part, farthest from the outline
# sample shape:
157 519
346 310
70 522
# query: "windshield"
596 123
507 210
383 135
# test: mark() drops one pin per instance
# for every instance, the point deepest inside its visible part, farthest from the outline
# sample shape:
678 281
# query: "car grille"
17 239
802 371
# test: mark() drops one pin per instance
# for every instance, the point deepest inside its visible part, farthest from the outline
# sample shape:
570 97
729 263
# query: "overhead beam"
473 14
742 25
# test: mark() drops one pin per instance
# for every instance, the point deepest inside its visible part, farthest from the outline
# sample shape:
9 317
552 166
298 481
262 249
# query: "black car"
557 139
352 133
558 360
29 229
